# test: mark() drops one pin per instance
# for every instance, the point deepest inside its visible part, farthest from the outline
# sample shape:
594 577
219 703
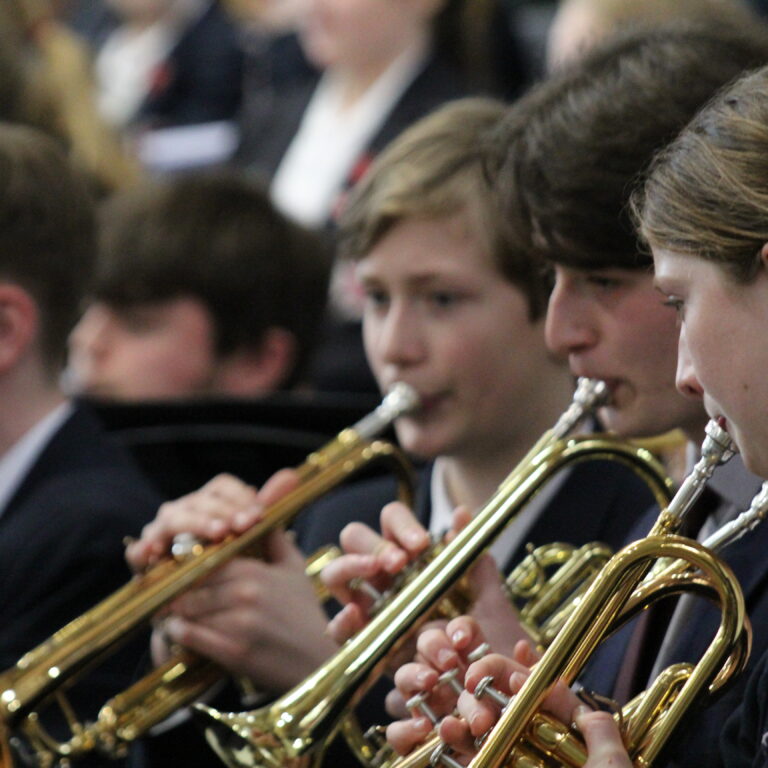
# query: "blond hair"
435 169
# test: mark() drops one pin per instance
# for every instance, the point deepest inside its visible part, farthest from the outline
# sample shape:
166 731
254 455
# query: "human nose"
89 347
399 339
686 380
568 326
89 336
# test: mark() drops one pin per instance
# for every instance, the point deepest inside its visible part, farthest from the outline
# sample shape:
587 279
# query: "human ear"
18 324
764 254
260 371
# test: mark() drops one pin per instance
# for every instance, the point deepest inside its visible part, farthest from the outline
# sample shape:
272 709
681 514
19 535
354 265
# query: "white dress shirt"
16 462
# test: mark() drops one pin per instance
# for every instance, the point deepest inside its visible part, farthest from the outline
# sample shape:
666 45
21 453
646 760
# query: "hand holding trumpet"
254 614
460 719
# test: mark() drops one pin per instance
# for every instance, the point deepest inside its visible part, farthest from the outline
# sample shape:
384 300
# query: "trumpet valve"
485 688
441 757
378 598
451 679
185 546
419 703
482 650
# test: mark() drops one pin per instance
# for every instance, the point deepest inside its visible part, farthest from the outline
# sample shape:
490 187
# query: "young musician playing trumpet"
703 212
452 309
565 192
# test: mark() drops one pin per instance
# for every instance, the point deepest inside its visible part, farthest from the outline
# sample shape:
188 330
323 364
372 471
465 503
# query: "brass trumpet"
547 742
44 671
660 564
295 728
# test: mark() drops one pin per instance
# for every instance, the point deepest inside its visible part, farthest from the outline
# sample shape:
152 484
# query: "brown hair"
47 232
707 193
217 238
569 152
438 168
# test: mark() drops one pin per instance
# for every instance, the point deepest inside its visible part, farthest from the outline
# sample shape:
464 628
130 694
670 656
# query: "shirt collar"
16 463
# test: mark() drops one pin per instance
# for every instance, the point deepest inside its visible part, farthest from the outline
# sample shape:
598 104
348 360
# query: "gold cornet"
294 730
45 670
658 565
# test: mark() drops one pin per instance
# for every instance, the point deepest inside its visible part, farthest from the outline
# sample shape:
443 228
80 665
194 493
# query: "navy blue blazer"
744 743
267 134
61 547
201 79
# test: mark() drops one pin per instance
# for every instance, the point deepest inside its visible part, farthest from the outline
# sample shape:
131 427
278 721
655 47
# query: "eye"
376 297
443 299
606 283
675 302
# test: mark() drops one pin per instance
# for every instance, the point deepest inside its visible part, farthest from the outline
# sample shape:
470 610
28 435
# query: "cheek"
371 345
653 354
464 356
710 358
173 359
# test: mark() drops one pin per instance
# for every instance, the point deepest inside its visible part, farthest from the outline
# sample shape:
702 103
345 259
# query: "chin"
628 425
753 454
100 391
419 446
613 420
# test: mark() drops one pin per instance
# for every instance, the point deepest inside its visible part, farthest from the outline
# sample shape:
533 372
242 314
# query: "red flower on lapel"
359 169
160 79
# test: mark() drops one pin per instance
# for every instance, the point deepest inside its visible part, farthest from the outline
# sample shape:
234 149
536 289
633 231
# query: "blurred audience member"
579 24
201 288
45 76
383 66
162 64
68 495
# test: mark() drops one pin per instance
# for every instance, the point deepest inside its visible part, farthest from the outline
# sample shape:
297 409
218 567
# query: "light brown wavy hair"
707 193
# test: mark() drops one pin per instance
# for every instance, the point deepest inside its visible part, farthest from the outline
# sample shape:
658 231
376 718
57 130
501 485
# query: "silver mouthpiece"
402 398
589 395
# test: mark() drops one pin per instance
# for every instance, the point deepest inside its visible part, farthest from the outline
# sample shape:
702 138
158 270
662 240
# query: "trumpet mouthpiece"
718 442
402 398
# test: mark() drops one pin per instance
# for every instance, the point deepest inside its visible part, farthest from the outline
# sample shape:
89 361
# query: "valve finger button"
419 703
484 688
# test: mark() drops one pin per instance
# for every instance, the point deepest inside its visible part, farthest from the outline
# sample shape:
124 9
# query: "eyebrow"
416 280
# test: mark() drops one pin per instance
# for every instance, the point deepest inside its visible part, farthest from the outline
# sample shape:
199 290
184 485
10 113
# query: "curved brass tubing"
42 673
294 729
